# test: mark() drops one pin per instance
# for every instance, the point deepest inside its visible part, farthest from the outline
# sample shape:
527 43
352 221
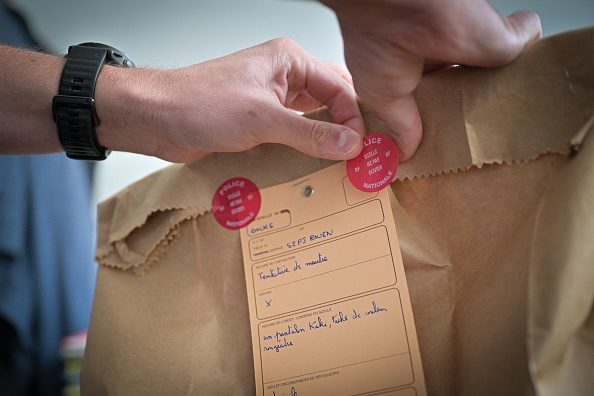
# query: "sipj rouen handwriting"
310 238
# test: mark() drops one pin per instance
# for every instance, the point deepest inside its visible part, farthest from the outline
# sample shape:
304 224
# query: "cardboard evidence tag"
329 305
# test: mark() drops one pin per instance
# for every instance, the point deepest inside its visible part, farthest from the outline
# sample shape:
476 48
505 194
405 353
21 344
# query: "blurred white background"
175 33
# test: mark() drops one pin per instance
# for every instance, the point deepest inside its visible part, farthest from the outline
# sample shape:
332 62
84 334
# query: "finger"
385 83
302 101
328 87
341 70
525 25
519 29
498 40
404 124
316 138
429 67
299 72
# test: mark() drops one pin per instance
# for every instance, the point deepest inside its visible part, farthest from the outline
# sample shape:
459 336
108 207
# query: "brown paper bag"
495 216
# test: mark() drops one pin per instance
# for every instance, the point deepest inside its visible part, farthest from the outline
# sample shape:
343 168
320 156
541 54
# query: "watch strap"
74 106
81 70
76 120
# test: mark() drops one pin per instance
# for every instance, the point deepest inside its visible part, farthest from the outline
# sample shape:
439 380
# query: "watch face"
96 45
115 57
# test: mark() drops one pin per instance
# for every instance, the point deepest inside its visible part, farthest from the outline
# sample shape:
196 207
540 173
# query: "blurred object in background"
47 272
72 350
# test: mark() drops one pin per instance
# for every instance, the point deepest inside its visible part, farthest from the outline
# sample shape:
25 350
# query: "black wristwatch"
73 108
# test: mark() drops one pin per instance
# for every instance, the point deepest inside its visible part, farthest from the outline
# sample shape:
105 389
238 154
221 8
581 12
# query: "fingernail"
534 30
349 140
528 23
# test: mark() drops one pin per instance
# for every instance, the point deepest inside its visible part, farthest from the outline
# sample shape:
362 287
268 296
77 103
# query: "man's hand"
389 43
230 104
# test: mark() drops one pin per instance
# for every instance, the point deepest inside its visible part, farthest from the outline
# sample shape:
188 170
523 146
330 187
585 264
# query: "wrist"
127 107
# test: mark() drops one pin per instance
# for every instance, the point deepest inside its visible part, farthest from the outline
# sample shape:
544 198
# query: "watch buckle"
74 103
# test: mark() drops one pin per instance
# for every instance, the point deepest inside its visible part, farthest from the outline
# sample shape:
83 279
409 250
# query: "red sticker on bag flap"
236 203
376 166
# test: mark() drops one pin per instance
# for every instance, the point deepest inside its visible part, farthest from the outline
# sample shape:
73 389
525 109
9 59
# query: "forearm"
228 104
28 82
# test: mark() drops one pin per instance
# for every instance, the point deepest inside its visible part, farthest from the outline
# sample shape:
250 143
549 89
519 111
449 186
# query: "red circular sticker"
376 166
236 203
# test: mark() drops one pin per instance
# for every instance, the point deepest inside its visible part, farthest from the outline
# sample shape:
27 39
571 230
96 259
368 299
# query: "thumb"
502 39
403 122
316 138
526 25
